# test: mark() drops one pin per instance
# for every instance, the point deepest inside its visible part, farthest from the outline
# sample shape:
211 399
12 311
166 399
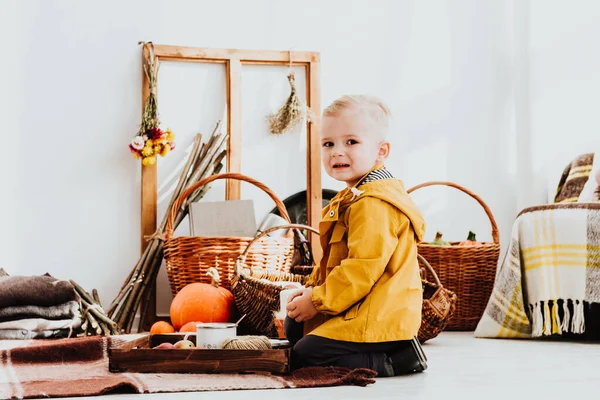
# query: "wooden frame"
234 59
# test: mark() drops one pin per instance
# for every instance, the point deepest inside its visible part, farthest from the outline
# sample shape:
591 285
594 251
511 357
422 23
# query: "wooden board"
139 356
313 156
197 54
234 116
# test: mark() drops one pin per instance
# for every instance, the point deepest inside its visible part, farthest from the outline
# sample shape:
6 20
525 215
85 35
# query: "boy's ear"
384 151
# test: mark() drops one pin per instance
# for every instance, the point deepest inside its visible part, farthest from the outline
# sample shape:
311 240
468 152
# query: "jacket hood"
393 192
389 190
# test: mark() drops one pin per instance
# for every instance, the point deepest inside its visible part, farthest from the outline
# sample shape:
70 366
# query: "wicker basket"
439 304
189 257
256 292
469 271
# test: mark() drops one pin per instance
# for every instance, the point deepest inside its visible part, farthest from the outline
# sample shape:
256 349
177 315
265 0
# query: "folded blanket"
12 334
35 290
552 267
40 324
67 310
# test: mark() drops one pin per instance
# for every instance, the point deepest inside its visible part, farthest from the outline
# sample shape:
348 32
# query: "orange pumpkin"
189 327
202 302
471 240
161 327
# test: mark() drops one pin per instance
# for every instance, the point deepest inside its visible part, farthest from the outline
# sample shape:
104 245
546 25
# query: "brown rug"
79 367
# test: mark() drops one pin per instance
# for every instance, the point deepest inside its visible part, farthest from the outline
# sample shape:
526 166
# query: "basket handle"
495 231
242 257
228 175
430 269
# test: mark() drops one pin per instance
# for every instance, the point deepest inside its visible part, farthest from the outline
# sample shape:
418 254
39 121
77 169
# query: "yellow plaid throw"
551 268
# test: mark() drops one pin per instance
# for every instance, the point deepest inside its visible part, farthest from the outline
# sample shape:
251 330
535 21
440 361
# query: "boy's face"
351 145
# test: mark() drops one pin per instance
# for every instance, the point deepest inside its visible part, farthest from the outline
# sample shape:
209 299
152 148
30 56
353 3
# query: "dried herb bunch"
291 114
150 116
151 140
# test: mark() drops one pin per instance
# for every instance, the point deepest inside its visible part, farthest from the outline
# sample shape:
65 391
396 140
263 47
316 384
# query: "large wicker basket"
468 271
256 291
439 304
189 257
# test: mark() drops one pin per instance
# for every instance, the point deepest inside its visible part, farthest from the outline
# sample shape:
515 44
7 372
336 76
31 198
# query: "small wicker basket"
439 304
468 271
188 258
256 291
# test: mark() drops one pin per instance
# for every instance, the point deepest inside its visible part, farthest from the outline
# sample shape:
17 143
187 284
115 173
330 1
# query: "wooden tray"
139 356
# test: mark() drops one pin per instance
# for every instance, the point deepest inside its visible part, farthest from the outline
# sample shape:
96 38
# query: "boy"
361 307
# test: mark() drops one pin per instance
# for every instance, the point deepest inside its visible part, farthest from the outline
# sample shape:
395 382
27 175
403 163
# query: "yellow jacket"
367 287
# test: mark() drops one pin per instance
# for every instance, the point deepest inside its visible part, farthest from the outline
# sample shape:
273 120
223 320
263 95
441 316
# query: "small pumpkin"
160 327
471 240
189 327
202 302
438 241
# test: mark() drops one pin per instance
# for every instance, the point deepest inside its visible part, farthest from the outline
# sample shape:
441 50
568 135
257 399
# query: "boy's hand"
301 308
297 293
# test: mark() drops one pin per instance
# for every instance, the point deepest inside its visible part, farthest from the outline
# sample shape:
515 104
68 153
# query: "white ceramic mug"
284 296
210 335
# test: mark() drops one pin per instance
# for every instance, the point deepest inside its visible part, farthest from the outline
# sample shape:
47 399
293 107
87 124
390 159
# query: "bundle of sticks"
95 320
205 159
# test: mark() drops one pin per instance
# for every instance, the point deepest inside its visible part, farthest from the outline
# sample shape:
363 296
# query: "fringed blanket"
79 367
552 267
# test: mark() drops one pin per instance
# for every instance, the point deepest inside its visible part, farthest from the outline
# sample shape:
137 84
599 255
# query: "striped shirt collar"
375 175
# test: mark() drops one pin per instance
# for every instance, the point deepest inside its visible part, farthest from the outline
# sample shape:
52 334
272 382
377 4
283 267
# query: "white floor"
460 367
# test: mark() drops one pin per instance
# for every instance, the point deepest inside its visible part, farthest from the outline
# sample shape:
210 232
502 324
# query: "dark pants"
311 350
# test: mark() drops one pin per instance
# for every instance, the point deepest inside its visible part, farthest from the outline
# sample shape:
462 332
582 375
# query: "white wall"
9 136
564 83
446 68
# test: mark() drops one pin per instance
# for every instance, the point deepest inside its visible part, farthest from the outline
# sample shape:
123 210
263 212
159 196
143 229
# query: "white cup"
284 296
211 335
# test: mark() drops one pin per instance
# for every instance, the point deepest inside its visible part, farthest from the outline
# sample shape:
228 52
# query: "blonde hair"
373 106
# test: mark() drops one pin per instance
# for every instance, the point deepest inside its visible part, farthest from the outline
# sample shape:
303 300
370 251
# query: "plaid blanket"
551 268
79 367
574 178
